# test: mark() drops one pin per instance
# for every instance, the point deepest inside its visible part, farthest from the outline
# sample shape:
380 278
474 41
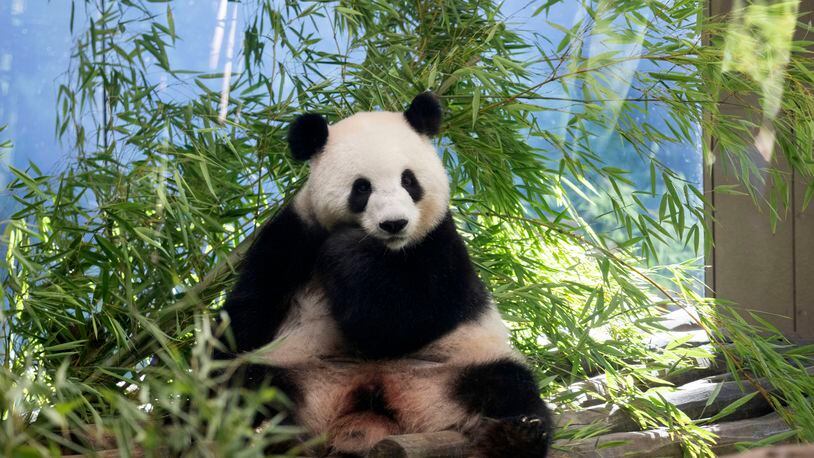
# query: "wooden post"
751 265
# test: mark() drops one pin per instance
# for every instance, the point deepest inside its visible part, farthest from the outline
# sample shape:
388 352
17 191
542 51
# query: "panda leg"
288 381
517 422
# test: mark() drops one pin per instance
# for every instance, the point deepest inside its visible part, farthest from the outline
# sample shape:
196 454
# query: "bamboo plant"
115 266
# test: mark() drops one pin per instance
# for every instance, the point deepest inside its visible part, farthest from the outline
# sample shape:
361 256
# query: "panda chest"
310 336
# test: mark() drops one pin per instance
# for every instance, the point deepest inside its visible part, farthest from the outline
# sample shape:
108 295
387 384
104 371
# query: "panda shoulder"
485 338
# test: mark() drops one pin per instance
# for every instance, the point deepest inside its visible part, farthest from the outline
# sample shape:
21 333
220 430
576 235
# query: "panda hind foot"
527 436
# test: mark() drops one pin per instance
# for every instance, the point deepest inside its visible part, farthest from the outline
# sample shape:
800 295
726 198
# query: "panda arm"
277 264
392 303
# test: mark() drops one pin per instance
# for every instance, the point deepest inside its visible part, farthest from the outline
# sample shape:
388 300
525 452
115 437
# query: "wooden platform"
701 392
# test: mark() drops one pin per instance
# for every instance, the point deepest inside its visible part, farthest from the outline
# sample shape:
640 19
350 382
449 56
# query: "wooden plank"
753 266
451 444
705 368
804 261
694 338
591 392
443 444
783 451
660 443
803 222
681 320
692 399
612 418
111 453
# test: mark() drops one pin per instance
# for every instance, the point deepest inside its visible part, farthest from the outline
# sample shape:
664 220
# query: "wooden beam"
659 442
692 399
785 451
443 444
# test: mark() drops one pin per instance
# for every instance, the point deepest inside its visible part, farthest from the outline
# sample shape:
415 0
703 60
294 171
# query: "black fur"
411 184
359 195
391 303
307 135
279 262
518 437
499 389
518 422
424 114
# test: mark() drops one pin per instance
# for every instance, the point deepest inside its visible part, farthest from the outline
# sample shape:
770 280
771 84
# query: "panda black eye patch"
410 183
359 194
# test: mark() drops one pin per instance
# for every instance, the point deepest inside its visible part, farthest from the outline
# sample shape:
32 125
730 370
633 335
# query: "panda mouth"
396 240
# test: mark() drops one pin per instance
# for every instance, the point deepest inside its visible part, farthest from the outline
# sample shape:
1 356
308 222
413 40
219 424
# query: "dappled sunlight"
758 44
227 66
217 35
618 63
765 141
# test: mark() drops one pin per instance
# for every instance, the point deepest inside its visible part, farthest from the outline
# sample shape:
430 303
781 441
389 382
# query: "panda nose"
394 226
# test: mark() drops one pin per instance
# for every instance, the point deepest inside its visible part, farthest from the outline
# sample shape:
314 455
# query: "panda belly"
357 403
360 403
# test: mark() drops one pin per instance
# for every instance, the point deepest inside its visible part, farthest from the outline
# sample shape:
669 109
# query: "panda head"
377 170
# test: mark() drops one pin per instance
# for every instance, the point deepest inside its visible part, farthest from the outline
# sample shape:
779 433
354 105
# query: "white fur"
377 146
485 339
308 334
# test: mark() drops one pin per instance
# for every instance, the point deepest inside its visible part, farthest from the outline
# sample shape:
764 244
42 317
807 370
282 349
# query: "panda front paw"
527 436
350 241
345 234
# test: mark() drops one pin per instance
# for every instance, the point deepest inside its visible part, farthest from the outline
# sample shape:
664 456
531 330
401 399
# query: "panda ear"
307 136
424 114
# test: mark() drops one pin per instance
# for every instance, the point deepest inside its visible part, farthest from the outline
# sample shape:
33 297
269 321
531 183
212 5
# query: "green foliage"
114 264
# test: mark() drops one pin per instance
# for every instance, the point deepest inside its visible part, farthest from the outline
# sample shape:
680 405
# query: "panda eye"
361 186
410 183
407 179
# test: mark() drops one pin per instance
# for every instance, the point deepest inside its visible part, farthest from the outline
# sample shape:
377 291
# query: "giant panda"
379 322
